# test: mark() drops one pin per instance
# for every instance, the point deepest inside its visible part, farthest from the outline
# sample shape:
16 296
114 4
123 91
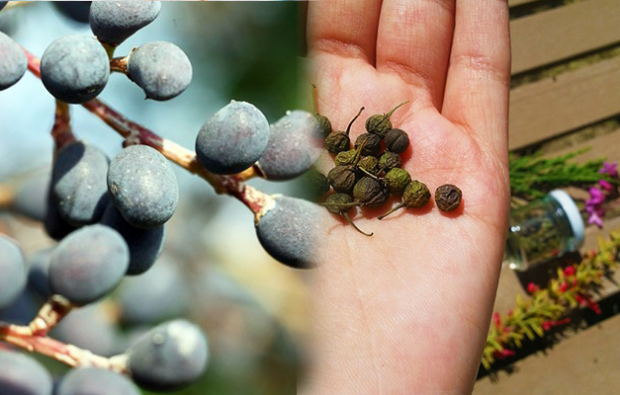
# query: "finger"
478 81
414 42
346 28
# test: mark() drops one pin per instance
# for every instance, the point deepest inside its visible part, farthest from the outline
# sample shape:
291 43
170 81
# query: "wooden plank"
563 32
550 107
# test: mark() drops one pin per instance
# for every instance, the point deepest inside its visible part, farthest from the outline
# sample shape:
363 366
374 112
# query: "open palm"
407 310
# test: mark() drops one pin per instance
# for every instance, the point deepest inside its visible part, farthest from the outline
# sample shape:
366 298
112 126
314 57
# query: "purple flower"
610 168
594 208
596 197
595 219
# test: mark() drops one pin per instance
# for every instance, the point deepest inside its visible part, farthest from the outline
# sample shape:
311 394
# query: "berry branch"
33 338
135 133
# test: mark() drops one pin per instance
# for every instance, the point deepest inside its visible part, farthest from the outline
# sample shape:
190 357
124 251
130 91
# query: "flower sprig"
549 307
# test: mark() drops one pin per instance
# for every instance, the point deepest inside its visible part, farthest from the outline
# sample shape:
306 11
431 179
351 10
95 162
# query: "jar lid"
572 213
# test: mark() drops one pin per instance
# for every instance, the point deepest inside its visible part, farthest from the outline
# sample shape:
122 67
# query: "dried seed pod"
397 180
337 142
370 192
416 195
448 197
314 184
369 164
341 204
369 144
346 157
342 178
397 140
390 160
324 124
380 124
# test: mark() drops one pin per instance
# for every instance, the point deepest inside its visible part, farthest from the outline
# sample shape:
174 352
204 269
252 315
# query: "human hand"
407 311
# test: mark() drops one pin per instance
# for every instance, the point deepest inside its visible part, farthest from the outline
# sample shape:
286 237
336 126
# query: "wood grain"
563 32
550 107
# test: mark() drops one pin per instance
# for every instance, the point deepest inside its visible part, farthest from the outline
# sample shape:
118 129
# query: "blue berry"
13 62
75 68
12 271
169 356
55 226
79 185
78 11
289 231
294 146
114 21
38 272
161 69
89 328
143 186
22 375
233 139
145 245
157 295
95 381
31 197
88 264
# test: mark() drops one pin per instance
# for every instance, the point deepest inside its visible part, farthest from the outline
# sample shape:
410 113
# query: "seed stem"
392 210
369 174
353 120
389 114
346 216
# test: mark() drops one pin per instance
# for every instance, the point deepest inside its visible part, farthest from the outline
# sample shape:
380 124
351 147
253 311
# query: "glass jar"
543 230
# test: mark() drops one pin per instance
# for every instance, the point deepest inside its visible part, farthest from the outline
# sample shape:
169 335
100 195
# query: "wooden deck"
565 96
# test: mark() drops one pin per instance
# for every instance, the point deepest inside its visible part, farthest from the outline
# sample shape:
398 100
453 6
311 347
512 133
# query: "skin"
407 311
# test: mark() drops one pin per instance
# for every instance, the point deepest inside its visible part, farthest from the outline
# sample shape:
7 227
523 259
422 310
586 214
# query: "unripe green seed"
342 178
369 164
315 184
346 158
416 195
370 192
397 141
397 180
337 142
341 204
370 144
390 160
380 124
325 126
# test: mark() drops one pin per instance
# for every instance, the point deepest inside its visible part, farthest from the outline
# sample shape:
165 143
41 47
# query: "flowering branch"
135 133
573 287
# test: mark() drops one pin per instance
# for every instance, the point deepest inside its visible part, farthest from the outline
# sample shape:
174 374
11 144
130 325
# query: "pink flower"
547 325
497 320
569 271
594 208
606 186
563 287
531 288
610 168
